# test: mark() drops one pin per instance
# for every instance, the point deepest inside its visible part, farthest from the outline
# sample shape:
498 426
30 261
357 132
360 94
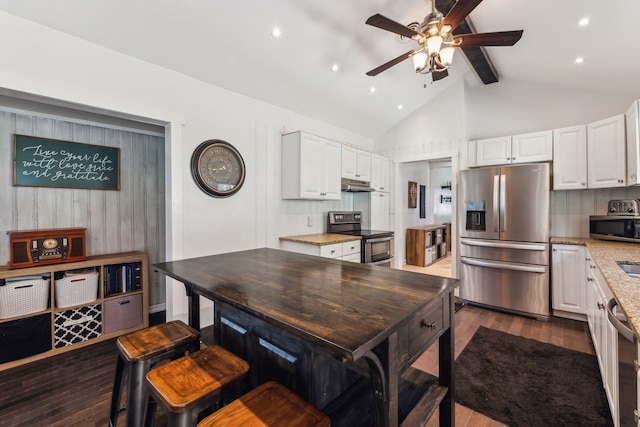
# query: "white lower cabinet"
603 334
569 293
346 251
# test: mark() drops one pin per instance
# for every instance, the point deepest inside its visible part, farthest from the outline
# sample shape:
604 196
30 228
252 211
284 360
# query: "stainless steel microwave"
610 227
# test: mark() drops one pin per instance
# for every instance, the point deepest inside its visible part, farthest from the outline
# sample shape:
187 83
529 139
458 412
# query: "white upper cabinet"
379 173
532 147
523 148
570 158
493 151
310 167
633 144
356 163
606 148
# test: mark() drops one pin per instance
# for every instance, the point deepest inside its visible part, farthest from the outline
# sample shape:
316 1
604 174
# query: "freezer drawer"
518 252
522 288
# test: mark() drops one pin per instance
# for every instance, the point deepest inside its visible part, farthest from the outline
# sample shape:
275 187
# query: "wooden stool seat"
138 351
186 386
270 404
156 340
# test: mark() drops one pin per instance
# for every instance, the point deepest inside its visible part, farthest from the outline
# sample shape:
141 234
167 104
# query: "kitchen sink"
632 269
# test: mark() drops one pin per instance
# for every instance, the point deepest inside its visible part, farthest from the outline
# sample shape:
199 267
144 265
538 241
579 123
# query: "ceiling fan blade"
458 12
439 75
500 38
387 24
391 63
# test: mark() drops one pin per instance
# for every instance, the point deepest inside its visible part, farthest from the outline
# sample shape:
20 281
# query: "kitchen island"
330 329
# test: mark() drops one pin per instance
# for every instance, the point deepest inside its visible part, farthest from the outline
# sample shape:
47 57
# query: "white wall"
44 62
510 107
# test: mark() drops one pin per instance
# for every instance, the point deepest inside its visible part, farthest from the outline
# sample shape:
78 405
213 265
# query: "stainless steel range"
376 246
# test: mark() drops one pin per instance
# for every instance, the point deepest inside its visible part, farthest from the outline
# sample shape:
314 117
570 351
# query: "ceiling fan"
436 39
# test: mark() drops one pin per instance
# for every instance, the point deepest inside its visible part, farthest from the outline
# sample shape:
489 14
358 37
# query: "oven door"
378 251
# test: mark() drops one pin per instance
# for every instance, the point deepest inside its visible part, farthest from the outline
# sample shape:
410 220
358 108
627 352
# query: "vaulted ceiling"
229 44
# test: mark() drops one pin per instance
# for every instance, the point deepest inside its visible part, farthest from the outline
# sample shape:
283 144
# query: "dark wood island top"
348 310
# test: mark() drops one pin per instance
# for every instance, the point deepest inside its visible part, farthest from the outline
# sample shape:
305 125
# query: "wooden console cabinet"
426 244
118 305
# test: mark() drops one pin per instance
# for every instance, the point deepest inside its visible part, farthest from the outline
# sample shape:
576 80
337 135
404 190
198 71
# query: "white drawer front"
331 251
351 248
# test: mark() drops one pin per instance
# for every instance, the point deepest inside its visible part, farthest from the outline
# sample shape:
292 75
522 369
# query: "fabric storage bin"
77 325
443 249
25 337
22 297
75 289
122 313
438 237
428 256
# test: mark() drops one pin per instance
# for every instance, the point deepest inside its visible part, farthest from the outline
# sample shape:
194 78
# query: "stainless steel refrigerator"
504 238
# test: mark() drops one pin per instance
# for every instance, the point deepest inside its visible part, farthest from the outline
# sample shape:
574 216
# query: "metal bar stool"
270 404
138 352
191 384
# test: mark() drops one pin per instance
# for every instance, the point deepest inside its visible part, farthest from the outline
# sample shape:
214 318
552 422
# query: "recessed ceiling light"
335 67
579 60
372 89
584 21
400 107
276 32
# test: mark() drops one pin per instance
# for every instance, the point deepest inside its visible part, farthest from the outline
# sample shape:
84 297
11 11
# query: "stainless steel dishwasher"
627 366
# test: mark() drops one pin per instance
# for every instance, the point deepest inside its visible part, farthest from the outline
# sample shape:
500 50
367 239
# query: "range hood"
355 186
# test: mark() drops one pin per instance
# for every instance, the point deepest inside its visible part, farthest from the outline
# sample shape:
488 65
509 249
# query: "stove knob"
630 210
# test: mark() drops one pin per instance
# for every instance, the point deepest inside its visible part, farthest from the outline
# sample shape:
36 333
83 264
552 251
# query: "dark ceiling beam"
477 56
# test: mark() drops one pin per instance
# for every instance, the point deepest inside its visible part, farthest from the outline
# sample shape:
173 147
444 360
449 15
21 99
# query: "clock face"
217 168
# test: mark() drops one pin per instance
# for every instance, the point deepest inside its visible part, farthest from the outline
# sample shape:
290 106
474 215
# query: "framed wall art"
413 194
45 162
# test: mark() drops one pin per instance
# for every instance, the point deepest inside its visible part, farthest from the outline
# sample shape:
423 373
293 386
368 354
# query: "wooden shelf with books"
50 309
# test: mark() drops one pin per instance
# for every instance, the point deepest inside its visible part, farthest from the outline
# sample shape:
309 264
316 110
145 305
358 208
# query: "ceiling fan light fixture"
446 56
433 45
419 61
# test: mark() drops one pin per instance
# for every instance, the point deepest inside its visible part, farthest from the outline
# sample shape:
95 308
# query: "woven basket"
23 297
76 289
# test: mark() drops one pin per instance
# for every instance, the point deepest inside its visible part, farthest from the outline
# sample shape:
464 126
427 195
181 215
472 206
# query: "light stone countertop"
625 289
321 239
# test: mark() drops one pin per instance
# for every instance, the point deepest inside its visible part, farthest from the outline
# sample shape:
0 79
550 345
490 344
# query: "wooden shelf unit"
129 308
425 241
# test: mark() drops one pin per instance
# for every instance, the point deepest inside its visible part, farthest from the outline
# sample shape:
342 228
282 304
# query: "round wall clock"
218 168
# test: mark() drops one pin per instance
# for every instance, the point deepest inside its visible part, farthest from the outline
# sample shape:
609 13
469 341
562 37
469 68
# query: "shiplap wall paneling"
116 221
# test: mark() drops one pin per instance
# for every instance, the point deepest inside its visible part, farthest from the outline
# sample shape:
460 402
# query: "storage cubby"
426 244
50 309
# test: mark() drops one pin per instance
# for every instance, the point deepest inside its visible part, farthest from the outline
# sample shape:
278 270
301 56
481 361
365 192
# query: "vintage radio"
41 247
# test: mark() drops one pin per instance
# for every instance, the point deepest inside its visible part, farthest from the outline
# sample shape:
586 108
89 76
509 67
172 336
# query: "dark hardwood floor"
74 389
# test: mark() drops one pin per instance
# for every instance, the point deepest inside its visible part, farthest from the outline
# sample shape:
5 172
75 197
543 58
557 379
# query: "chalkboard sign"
43 162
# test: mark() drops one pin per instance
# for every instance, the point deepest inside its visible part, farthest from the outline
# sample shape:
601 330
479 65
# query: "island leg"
193 308
383 366
446 357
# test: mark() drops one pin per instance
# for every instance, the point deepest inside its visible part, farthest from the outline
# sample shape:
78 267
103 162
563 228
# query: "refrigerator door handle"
503 202
500 245
503 266
496 207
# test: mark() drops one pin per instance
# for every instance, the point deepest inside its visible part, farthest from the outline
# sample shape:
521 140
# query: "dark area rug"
524 382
